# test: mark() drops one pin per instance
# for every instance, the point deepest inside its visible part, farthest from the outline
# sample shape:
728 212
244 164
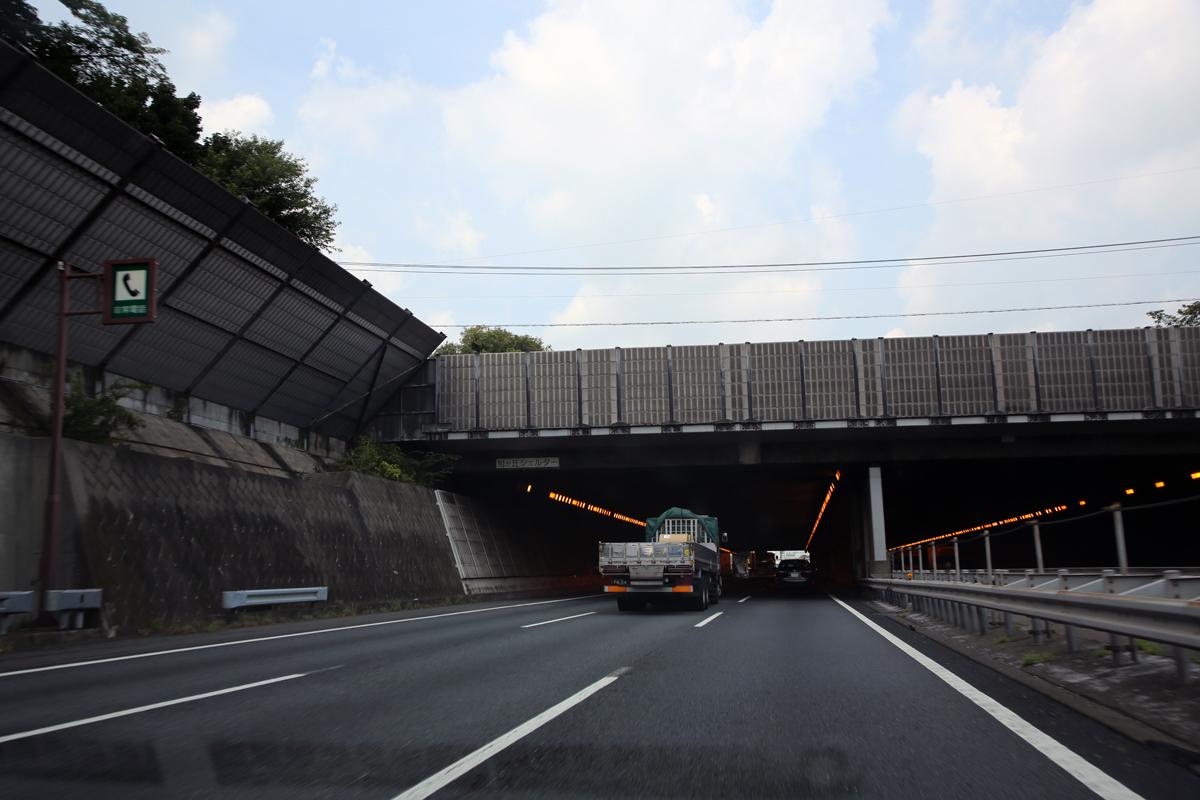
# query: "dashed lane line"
12 737
276 637
704 622
468 762
560 619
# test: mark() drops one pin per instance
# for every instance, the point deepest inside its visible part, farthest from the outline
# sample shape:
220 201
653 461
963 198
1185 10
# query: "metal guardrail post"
957 565
933 560
987 549
1113 639
1037 546
1119 532
1063 586
1171 589
920 560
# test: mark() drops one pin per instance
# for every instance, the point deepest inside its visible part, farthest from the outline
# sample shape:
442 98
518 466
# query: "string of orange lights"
1032 515
604 512
989 525
837 476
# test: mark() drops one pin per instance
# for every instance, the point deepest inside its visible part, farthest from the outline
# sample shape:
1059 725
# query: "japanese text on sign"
547 462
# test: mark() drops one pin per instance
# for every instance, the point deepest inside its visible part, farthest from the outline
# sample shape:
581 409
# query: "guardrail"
245 598
1161 607
12 604
69 606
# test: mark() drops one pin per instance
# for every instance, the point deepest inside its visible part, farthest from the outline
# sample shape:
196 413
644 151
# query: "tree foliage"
389 461
1187 317
482 339
100 418
276 181
119 69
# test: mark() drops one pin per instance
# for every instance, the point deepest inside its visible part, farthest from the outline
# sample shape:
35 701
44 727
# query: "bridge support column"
877 535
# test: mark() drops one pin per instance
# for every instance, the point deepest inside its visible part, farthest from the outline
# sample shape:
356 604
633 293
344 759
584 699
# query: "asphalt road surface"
776 697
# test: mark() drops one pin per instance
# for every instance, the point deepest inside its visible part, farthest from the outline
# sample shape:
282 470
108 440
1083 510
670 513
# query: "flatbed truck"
678 558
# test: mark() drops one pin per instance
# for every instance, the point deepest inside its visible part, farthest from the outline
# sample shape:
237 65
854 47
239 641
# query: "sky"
616 134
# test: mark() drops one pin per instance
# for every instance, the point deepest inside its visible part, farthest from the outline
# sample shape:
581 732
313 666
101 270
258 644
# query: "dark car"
795 573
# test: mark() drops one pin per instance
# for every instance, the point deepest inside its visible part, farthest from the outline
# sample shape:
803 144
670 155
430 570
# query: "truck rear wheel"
701 601
716 593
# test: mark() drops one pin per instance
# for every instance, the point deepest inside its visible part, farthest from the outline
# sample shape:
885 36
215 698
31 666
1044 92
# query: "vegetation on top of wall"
100 418
389 461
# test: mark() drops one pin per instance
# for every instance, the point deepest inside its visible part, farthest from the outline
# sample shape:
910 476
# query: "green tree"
117 68
1188 317
121 71
276 181
482 339
388 461
100 418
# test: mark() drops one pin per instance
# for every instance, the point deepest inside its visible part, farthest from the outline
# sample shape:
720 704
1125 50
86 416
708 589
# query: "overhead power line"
721 293
769 267
844 215
897 315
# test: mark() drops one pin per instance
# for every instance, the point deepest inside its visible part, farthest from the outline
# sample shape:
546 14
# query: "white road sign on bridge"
546 462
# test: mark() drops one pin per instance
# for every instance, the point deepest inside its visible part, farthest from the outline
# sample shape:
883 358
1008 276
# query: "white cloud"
618 123
442 318
352 105
248 113
207 38
451 233
1112 93
621 106
199 48
943 28
970 138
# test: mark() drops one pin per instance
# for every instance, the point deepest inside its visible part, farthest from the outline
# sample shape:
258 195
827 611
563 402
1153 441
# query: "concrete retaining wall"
494 554
165 536
24 466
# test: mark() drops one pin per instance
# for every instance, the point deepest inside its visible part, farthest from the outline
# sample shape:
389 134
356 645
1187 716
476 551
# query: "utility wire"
889 287
845 215
819 319
766 268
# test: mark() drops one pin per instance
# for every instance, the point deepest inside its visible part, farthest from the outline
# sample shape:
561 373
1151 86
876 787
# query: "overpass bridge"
1142 375
756 433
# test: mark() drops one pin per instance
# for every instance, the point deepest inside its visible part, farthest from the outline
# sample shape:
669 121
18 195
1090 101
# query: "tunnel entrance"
776 506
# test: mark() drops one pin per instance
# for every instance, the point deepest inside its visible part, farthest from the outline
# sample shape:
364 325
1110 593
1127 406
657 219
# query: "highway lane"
776 697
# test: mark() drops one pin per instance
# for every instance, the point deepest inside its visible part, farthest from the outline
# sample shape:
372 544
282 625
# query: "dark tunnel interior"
775 507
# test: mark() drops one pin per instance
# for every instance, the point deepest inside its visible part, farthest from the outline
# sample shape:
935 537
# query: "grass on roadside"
1151 648
1032 659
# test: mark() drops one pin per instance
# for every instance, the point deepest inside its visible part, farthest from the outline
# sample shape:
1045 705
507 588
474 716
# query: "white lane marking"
287 636
704 622
744 599
560 619
1078 768
468 762
12 737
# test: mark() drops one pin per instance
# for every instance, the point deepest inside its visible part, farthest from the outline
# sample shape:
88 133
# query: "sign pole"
47 576
127 290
